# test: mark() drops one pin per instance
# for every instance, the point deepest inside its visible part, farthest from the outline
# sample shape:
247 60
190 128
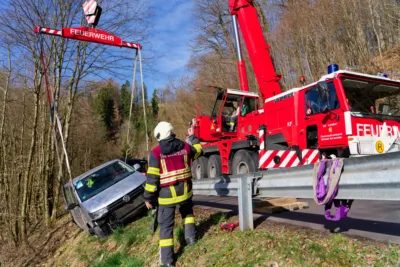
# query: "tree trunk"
73 85
29 164
378 38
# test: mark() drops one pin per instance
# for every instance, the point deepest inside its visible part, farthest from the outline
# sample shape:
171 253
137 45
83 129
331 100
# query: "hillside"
271 244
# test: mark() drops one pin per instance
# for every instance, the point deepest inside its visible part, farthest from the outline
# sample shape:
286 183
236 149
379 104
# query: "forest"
305 37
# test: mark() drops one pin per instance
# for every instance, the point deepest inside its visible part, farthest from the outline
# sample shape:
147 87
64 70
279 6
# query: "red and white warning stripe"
287 158
261 137
89 7
50 31
131 45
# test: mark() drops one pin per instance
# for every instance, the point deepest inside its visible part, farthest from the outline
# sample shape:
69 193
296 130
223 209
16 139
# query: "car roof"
91 171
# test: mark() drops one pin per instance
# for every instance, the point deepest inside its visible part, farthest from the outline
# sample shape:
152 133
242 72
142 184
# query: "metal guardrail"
374 177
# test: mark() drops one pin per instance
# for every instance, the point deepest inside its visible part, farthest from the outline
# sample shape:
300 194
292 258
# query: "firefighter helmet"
163 130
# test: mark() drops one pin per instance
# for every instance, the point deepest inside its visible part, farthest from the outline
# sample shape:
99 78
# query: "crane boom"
257 48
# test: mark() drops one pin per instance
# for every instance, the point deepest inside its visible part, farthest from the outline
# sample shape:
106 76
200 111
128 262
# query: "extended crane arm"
257 48
88 35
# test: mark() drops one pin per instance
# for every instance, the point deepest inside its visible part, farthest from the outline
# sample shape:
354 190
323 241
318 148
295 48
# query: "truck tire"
199 168
244 161
214 166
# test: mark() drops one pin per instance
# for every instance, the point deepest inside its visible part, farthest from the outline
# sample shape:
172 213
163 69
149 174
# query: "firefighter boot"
191 241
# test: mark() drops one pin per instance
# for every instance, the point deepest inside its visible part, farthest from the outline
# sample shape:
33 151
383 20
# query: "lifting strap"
138 56
144 104
324 194
54 119
130 107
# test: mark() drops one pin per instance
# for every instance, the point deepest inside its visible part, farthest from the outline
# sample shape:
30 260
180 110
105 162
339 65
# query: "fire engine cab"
344 113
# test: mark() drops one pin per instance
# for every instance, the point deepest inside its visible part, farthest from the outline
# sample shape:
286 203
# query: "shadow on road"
344 225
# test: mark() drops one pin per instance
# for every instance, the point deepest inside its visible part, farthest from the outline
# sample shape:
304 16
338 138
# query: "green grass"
119 259
270 244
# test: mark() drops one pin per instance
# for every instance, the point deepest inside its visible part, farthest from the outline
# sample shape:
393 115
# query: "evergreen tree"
154 104
104 106
125 100
145 94
139 94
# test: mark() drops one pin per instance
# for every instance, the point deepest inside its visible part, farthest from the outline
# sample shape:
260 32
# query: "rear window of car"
142 163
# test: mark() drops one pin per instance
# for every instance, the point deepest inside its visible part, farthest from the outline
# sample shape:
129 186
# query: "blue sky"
169 41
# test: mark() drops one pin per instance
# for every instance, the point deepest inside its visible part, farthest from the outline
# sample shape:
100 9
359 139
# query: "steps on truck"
275 205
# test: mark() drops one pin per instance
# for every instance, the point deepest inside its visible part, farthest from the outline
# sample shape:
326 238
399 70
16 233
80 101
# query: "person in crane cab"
169 185
234 115
349 104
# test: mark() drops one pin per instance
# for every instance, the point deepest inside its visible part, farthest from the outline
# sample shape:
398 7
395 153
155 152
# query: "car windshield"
372 97
91 185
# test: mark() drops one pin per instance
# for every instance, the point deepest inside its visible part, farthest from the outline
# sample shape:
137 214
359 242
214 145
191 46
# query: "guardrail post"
245 203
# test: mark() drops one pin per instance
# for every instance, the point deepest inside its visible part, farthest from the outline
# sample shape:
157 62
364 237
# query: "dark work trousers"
166 220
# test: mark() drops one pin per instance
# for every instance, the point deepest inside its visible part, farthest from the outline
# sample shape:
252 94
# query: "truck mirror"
323 91
71 206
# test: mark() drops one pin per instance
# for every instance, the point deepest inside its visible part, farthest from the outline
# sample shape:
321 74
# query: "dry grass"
271 244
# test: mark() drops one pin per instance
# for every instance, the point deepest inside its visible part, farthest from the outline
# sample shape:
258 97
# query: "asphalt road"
378 220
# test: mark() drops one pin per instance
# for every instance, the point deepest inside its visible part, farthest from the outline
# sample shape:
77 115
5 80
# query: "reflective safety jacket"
169 173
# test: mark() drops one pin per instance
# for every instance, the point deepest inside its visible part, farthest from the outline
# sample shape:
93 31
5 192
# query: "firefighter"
349 104
169 185
234 115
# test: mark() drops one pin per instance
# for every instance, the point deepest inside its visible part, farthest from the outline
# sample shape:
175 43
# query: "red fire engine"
343 114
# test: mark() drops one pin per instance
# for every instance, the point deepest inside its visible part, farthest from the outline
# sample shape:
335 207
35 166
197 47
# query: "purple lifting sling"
322 191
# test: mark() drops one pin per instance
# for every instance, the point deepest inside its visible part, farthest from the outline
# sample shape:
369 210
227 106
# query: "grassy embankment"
271 244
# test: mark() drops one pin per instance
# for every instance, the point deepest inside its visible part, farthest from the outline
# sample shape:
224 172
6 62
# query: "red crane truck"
343 114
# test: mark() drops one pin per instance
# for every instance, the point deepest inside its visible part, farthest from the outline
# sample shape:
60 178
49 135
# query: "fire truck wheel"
199 168
214 166
244 161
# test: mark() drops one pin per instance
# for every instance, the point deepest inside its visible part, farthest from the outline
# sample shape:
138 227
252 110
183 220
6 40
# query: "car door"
76 212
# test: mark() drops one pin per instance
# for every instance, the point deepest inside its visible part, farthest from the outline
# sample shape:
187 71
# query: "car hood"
114 192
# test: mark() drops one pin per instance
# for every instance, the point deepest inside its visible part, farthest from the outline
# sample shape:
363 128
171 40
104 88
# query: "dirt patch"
41 245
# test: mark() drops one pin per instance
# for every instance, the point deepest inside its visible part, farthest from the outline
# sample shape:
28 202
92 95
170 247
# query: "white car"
105 197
